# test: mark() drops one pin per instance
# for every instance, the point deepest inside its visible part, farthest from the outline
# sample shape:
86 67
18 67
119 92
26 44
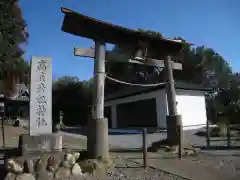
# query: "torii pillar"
173 119
97 143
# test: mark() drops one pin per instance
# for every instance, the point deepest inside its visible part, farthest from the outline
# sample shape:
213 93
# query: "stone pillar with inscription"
40 138
41 96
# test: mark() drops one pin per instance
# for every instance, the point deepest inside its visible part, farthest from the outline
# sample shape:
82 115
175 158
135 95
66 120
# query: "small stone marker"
41 96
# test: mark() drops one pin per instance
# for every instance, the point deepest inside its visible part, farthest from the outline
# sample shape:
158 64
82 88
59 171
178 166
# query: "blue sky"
215 24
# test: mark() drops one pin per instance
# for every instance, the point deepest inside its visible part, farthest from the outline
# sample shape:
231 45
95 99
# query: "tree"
13 33
74 98
65 80
204 65
88 84
227 100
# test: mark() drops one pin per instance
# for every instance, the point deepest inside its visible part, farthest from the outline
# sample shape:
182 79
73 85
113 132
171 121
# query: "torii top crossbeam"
84 26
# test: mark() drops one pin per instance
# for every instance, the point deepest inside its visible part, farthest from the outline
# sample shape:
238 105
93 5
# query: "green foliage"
88 84
203 65
64 81
227 100
74 98
12 34
149 32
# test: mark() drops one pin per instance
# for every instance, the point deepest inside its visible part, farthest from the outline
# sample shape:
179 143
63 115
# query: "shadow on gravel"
125 150
218 147
226 155
222 139
172 157
129 167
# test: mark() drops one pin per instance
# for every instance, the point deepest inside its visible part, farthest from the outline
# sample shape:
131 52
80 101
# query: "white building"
148 107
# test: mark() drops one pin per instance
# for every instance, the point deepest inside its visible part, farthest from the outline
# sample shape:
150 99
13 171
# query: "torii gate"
103 32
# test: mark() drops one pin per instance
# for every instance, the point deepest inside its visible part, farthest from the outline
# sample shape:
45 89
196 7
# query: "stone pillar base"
173 122
97 143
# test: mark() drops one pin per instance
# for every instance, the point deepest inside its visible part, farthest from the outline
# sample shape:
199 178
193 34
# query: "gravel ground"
226 160
127 170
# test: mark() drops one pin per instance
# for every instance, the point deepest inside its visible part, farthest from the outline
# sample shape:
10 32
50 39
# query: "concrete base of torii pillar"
97 143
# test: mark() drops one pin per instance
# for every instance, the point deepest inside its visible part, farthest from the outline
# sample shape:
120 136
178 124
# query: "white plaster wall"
192 107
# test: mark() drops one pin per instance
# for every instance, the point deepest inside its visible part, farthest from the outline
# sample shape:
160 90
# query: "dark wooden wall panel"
137 114
107 114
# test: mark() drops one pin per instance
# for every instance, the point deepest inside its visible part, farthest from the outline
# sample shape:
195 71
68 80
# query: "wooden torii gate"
103 32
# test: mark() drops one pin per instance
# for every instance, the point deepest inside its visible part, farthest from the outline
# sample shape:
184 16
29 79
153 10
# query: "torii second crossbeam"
122 58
